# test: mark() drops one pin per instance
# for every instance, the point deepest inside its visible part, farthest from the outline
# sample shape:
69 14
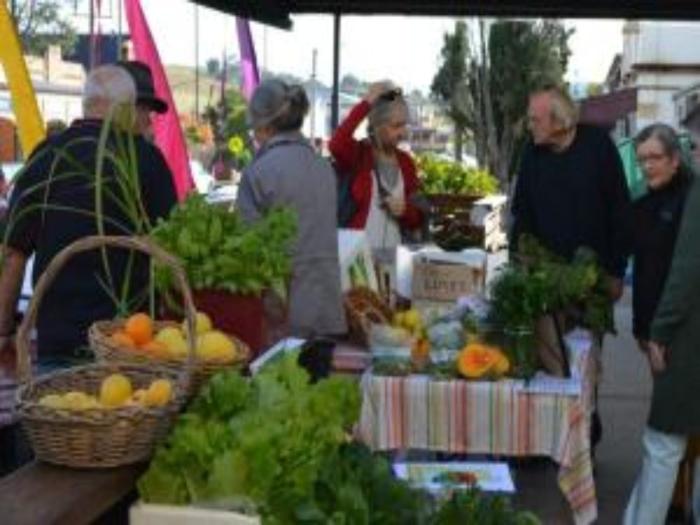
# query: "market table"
547 417
43 494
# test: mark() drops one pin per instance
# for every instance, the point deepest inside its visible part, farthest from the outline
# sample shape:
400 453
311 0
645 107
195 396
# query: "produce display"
278 446
141 335
444 177
537 285
116 391
221 251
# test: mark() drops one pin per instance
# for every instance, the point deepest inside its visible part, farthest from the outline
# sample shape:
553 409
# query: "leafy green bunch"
540 283
276 445
220 250
256 443
440 176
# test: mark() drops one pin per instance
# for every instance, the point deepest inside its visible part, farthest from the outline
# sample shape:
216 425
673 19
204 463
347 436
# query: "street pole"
120 36
335 98
196 63
312 120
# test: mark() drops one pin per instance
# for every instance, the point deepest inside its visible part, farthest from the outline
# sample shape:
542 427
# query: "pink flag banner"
168 132
250 76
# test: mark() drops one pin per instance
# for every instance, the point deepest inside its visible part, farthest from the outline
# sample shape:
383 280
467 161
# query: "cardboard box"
149 514
448 280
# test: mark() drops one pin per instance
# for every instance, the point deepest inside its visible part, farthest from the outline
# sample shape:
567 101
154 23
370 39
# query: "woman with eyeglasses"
383 183
288 172
657 221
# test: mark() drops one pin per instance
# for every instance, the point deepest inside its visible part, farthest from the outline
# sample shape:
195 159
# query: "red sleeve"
346 150
413 216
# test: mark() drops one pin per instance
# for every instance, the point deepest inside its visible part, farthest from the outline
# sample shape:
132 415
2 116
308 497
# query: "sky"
404 49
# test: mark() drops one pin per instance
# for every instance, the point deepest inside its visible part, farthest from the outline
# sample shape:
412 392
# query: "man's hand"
396 206
658 357
616 287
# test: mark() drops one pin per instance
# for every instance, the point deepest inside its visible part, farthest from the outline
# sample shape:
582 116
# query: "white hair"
106 87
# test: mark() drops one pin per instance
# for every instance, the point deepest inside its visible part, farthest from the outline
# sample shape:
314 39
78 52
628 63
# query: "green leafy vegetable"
440 176
219 250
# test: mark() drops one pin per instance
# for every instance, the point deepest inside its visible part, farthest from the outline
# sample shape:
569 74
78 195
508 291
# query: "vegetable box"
151 514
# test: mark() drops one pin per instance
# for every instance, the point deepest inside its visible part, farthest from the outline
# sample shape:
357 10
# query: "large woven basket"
97 438
101 342
364 307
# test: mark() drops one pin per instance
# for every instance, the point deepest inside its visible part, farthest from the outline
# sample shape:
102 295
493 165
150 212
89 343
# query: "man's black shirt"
54 203
577 197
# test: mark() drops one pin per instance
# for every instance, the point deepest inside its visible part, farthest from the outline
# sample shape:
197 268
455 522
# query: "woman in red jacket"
384 181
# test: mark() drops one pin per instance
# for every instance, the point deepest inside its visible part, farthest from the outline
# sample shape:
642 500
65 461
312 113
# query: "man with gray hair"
54 204
571 191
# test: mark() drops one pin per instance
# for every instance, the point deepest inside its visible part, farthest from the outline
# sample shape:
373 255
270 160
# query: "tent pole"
335 105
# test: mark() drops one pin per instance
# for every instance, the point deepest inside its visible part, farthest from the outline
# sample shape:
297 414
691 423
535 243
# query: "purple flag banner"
250 76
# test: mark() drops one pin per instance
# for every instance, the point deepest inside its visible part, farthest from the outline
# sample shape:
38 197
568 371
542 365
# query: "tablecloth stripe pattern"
498 418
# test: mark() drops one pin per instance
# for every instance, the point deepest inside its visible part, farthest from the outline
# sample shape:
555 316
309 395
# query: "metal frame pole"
335 98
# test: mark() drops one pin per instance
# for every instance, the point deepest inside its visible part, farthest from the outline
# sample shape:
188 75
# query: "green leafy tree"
43 24
486 74
450 85
521 56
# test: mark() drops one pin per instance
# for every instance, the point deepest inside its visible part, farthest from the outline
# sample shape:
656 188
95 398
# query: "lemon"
137 398
203 324
52 401
398 319
174 341
77 400
115 390
159 393
215 346
412 319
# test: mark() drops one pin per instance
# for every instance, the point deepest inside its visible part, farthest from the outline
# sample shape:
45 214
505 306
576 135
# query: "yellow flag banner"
29 122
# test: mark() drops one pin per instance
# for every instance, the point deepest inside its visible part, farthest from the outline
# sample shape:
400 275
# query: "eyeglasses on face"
652 158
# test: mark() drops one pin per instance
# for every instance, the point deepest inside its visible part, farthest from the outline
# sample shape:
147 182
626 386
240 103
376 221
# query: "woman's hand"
377 89
658 357
395 205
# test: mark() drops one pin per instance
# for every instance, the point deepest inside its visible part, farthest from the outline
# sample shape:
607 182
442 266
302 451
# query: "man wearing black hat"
147 102
56 201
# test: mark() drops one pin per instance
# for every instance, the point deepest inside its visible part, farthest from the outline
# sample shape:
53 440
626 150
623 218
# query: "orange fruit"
121 338
156 348
140 328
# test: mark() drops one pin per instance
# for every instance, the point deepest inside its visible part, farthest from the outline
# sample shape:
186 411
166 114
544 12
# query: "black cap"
145 90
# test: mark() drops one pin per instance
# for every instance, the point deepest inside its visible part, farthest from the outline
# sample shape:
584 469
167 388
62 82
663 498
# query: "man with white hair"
571 191
54 203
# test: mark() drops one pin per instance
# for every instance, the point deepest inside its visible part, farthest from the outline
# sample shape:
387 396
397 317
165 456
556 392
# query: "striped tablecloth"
500 418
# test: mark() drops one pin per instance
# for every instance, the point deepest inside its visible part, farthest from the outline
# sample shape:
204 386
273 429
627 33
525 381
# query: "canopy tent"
278 13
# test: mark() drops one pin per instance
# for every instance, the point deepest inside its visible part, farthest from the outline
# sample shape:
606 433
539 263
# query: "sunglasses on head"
392 95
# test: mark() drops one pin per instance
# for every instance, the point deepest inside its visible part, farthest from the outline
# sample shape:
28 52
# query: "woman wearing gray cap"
288 172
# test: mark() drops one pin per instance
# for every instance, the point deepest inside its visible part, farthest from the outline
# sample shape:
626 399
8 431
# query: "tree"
351 84
486 76
43 24
450 84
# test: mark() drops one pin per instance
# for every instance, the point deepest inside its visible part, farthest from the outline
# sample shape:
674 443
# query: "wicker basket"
364 307
99 336
96 438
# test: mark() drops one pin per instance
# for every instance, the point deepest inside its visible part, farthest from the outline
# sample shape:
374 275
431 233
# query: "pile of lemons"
115 391
139 334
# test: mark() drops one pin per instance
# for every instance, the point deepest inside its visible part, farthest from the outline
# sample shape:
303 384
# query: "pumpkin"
477 360
502 364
